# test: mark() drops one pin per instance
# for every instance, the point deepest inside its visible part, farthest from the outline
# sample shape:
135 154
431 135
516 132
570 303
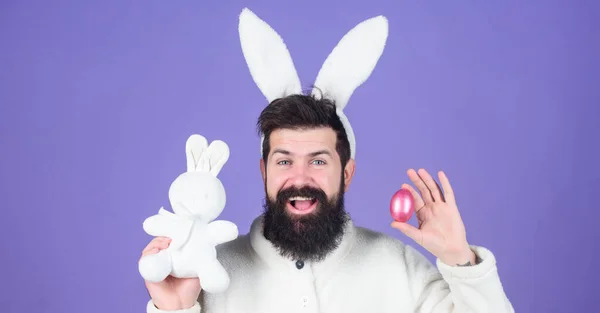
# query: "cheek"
329 181
275 182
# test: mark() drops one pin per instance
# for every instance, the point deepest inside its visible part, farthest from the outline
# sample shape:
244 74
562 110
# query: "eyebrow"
312 154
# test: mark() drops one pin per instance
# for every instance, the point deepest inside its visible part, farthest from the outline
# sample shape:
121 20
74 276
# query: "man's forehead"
320 135
311 141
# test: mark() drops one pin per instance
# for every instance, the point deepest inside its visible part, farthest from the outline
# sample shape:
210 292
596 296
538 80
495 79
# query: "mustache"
309 192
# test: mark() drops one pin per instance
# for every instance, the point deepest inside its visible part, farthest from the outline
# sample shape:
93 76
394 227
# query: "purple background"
97 100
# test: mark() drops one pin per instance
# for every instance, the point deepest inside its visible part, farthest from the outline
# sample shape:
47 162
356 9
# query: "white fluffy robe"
369 272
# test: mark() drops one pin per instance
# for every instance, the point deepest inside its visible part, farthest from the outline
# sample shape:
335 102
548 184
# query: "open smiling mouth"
301 205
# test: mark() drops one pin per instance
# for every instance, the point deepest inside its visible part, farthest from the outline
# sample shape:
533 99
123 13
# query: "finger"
160 243
420 184
410 231
154 247
162 238
150 251
418 200
419 205
447 188
149 247
432 185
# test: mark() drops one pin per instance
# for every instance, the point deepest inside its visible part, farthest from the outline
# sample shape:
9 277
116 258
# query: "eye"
283 162
319 162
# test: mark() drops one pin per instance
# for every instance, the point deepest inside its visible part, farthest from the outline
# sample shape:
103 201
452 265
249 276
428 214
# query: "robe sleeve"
453 289
206 303
151 308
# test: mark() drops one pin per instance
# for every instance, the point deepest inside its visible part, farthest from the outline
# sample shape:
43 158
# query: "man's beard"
307 237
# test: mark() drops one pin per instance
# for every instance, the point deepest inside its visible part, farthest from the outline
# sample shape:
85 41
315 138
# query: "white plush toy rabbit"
347 67
197 198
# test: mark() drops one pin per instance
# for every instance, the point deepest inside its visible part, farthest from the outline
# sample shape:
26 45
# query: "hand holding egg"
440 228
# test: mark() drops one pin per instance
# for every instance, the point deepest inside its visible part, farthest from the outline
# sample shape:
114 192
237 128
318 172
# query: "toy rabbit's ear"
352 61
217 155
268 58
195 147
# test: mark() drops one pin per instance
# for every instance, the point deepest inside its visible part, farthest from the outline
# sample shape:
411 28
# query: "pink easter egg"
402 206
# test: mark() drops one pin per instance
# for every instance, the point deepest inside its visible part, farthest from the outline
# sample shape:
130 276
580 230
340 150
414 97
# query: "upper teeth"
299 198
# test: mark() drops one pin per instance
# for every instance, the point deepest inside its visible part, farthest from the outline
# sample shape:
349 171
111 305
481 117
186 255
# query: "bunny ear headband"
347 67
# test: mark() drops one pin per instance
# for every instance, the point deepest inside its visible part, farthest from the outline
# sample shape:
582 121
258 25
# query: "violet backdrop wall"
98 98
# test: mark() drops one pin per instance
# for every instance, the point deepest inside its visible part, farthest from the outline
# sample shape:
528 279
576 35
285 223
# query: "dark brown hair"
302 112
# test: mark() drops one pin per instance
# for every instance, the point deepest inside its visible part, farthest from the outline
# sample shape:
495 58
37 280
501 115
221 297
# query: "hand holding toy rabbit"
197 198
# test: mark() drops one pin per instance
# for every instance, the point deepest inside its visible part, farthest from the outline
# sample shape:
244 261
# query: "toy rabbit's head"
198 193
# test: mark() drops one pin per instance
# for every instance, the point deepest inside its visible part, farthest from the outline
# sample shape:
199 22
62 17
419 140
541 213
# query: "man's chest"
345 291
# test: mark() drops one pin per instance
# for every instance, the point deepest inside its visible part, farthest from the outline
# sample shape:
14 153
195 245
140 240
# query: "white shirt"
368 272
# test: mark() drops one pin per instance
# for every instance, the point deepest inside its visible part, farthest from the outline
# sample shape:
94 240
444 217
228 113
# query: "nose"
300 175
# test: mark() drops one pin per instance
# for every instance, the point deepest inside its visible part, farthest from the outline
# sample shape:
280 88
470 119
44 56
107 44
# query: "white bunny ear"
217 154
195 147
268 58
352 61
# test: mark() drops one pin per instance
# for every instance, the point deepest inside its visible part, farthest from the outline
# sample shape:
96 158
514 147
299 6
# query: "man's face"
305 184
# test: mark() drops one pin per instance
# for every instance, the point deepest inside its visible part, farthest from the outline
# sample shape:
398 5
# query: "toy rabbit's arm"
222 231
167 224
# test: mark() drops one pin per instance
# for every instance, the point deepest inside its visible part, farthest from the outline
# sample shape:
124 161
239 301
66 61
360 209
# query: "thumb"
410 231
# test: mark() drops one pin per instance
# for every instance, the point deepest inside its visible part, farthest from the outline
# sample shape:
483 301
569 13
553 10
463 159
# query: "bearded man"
304 253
